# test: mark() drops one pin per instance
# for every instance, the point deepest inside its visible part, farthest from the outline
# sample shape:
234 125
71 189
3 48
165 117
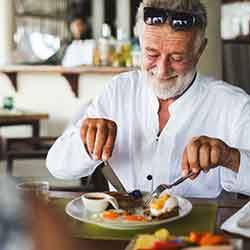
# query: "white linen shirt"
209 107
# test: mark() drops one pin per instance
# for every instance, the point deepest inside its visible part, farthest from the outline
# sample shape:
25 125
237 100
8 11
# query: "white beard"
164 89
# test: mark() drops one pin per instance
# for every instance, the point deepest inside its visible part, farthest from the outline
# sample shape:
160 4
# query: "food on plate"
122 216
131 208
137 194
113 214
128 201
163 240
205 239
164 207
134 217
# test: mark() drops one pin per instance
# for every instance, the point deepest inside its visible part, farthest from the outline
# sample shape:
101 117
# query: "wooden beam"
13 78
73 82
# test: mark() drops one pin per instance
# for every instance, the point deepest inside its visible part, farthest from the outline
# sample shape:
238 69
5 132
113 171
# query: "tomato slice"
167 245
110 215
134 217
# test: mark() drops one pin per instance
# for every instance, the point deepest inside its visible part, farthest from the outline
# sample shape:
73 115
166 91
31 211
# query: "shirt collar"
189 97
191 91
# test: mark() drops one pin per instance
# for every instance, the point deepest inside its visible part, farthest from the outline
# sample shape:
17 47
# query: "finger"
83 134
194 176
204 139
195 138
100 141
91 135
83 131
215 155
193 155
184 164
109 146
204 156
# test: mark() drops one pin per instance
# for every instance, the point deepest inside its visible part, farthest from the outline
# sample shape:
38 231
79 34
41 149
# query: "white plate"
75 209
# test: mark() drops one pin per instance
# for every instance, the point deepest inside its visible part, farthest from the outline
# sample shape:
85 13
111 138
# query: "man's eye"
152 55
177 58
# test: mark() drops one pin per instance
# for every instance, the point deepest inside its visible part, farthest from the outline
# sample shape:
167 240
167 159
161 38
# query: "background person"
80 50
167 119
79 29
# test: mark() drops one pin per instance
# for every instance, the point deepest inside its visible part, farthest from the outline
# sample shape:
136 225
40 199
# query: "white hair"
191 6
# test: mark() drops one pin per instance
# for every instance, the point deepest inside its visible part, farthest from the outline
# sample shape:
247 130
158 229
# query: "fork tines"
155 193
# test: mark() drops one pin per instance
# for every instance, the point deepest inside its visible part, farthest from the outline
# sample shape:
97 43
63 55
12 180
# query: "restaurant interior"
40 97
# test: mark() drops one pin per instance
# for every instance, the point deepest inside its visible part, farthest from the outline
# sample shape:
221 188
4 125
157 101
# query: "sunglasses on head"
177 20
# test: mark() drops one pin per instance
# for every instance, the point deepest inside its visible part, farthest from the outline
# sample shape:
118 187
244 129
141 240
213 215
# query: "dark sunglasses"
177 20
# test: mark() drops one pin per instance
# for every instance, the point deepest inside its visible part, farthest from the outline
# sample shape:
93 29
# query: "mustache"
156 72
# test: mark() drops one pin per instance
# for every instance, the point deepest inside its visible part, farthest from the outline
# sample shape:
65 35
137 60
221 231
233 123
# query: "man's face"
168 59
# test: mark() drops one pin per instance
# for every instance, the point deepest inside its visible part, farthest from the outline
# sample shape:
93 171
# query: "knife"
110 175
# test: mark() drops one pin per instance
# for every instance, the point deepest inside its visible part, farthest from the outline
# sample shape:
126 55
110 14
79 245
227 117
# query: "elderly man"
165 120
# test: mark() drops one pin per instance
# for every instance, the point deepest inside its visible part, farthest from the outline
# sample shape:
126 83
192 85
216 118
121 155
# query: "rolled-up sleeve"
243 177
240 139
68 159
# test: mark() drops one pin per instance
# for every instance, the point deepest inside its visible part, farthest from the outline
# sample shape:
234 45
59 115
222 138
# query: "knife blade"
110 175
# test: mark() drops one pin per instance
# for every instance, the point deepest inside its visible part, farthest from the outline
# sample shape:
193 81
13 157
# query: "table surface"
23 117
227 203
6 115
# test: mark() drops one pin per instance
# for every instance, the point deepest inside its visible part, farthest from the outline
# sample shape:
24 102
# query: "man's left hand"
204 153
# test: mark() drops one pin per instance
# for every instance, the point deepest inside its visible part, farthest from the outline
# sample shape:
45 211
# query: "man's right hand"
98 137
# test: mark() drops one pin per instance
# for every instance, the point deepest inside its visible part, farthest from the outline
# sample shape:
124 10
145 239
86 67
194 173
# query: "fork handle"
183 179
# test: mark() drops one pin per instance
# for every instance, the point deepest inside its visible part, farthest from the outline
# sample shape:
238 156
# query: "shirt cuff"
243 176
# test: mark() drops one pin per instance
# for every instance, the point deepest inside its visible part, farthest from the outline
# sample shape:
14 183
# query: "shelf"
41 16
238 40
62 70
71 74
233 1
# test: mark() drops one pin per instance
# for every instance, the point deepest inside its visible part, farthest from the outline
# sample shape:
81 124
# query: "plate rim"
127 226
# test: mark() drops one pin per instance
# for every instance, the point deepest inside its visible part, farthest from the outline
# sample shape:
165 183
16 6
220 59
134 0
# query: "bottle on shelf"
96 55
136 50
106 46
136 53
122 56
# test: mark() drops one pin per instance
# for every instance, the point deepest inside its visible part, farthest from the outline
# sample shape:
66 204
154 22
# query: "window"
40 27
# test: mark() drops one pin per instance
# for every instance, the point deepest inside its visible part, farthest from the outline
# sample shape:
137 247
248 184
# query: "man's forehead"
165 31
160 37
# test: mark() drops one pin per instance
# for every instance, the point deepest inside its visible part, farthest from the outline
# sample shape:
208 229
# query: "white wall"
50 93
123 10
211 62
97 17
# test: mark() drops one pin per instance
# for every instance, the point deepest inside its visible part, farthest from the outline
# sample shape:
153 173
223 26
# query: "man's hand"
98 136
204 153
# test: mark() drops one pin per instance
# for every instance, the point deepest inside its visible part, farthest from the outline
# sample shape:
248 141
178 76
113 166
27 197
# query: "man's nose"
164 69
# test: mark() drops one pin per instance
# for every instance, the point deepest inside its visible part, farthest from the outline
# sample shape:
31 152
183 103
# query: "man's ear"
202 47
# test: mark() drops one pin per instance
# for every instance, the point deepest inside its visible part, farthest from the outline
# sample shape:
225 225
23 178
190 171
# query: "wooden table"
13 118
228 204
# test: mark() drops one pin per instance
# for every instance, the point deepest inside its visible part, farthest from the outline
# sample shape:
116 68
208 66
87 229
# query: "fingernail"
184 172
104 157
95 157
195 170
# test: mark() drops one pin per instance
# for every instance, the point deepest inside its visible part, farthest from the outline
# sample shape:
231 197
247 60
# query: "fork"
163 187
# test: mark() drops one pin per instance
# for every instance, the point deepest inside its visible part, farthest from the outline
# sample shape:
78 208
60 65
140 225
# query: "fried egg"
164 204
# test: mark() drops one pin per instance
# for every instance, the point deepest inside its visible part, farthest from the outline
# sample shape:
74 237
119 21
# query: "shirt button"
149 177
